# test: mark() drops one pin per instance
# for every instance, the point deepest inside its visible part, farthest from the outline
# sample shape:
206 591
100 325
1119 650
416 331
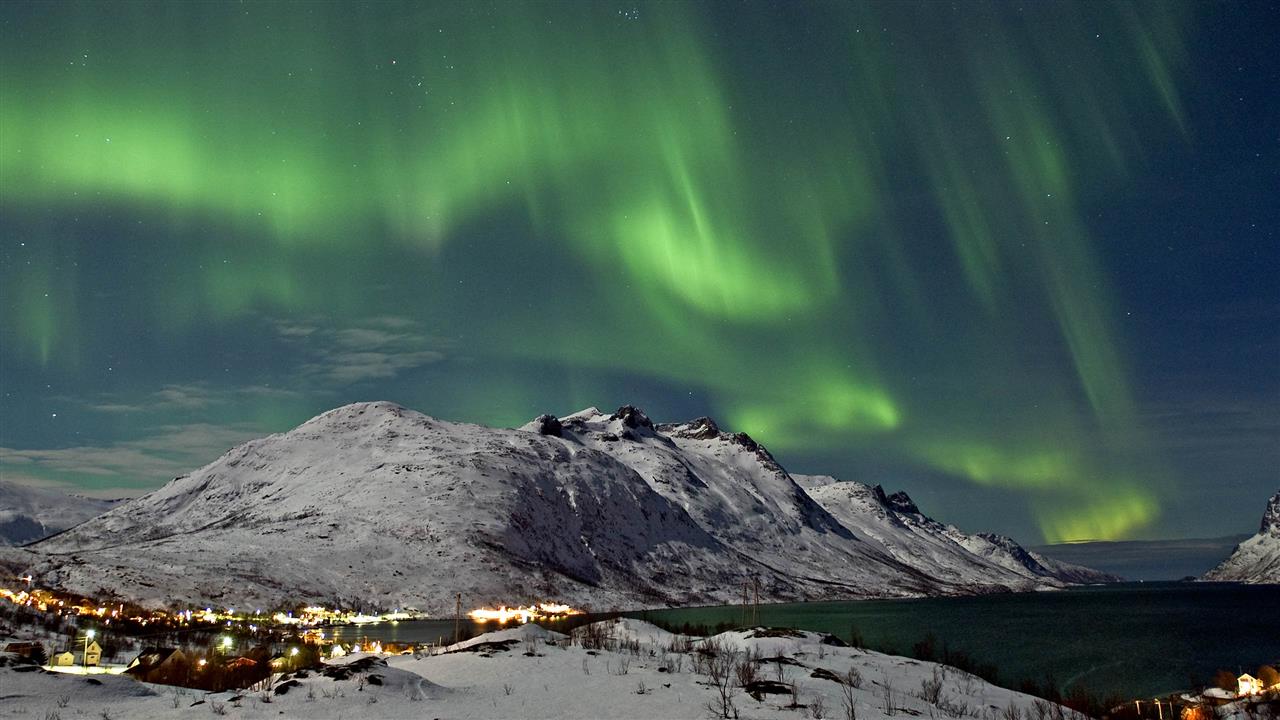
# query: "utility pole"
457 621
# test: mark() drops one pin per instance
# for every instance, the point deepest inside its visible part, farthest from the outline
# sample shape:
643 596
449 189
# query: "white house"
1249 685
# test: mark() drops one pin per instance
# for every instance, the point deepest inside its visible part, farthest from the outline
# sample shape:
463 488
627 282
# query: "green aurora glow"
877 239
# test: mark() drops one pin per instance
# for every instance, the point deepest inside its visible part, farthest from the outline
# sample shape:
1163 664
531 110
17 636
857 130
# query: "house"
32 651
63 659
166 666
241 663
92 653
1249 685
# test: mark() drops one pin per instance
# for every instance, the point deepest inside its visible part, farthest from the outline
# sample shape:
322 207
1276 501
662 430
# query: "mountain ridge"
1256 560
29 514
375 505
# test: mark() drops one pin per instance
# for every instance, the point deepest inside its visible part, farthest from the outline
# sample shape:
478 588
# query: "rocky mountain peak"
632 417
897 502
703 428
1271 517
547 424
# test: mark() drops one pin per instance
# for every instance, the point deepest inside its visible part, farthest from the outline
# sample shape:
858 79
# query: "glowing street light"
84 658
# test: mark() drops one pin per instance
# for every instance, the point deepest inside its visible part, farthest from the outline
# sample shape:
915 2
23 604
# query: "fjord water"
1131 639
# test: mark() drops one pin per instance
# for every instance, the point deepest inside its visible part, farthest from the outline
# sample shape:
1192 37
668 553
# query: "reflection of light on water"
524 614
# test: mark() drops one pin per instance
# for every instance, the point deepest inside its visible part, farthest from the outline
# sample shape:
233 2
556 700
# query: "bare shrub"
622 668
931 688
680 644
586 668
746 673
507 688
853 678
951 709
217 708
720 671
63 701
818 707
847 701
641 688
1011 712
593 637
886 696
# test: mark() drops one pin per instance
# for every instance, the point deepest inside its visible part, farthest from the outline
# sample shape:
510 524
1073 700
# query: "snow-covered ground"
616 669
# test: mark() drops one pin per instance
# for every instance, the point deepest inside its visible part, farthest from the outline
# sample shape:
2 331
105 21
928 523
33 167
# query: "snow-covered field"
615 669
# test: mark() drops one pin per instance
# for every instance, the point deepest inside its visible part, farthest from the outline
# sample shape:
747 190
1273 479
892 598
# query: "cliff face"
1256 560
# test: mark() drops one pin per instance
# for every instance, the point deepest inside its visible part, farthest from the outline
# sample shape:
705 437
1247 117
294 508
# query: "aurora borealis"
1020 259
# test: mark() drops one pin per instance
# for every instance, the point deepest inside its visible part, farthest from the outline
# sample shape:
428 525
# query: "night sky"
1020 259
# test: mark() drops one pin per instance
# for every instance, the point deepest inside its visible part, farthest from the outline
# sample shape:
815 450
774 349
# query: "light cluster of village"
222 649
231 647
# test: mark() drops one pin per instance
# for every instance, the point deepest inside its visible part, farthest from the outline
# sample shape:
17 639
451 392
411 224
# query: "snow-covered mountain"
374 505
895 523
1256 560
29 513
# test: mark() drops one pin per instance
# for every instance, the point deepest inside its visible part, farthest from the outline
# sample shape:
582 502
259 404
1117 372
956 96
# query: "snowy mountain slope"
1256 560
28 513
372 505
732 487
943 551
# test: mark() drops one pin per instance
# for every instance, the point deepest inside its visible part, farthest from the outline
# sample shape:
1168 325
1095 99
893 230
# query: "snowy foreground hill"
622 669
372 505
1256 560
28 514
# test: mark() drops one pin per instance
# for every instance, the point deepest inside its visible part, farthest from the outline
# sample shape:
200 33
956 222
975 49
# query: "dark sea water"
1134 639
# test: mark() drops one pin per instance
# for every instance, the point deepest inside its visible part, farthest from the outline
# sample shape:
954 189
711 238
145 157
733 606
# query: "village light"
293 651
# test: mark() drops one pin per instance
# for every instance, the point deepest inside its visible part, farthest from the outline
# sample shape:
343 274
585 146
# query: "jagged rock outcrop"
1256 560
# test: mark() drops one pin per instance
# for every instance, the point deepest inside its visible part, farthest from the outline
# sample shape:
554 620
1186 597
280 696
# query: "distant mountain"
372 505
895 523
28 513
1256 560
1146 559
